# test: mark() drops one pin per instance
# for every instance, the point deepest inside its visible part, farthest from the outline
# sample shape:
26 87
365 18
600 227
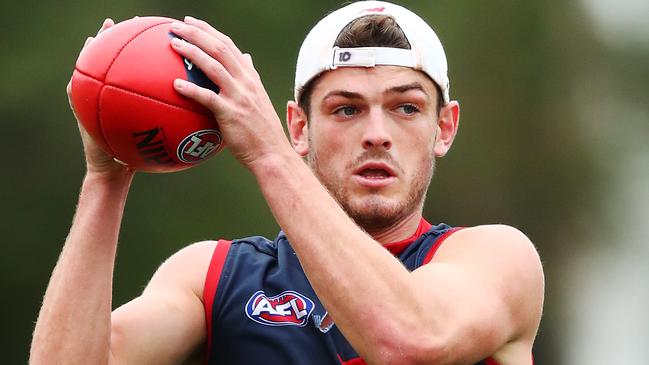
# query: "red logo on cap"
375 10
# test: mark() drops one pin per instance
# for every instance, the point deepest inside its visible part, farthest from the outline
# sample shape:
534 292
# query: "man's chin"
376 213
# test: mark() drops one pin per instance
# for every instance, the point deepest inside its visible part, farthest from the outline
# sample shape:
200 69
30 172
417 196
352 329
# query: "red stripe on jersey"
211 283
359 361
398 247
355 361
438 243
491 361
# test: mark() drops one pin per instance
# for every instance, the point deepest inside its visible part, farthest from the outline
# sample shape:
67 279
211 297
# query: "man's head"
374 110
376 30
403 40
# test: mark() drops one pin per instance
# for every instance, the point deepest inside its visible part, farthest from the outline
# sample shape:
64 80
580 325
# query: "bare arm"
165 325
485 283
75 324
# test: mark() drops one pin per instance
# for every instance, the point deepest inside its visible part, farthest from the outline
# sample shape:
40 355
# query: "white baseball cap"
318 53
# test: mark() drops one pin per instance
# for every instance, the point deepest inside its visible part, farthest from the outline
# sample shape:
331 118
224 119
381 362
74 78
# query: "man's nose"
377 133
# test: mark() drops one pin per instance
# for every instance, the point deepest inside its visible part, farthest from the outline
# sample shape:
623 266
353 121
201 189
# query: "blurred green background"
553 140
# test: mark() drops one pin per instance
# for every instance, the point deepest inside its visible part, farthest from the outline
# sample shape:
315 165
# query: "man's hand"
97 161
250 125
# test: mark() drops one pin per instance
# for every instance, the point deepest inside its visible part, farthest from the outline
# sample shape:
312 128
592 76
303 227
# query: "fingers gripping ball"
122 93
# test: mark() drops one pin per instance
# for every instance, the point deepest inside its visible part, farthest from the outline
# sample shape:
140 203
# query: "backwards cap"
318 53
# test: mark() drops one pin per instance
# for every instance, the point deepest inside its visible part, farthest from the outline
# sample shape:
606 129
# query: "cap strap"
371 56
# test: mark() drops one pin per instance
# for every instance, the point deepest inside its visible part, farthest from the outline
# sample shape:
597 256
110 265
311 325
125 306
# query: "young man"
357 275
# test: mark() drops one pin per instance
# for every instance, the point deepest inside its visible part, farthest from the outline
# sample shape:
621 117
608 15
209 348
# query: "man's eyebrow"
404 88
395 89
344 94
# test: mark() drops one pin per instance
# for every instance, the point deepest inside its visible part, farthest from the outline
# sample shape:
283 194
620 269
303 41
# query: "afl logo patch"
289 308
199 145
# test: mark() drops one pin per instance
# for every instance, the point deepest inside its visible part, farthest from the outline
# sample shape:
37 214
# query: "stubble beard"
374 211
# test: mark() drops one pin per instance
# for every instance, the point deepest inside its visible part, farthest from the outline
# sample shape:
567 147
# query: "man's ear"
447 124
298 128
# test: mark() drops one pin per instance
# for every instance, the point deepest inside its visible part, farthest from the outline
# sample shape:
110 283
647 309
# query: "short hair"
366 31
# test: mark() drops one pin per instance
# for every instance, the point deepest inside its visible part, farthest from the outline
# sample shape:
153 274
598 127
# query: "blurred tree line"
534 148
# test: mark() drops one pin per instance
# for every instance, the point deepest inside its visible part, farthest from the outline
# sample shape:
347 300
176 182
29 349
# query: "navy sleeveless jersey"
261 309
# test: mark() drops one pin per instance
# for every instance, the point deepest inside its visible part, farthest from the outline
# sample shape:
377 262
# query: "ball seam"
126 44
99 121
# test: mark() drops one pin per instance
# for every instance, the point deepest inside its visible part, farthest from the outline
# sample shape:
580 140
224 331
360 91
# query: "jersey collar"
396 248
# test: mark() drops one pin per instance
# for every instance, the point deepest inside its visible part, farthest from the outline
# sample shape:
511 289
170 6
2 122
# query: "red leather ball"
122 93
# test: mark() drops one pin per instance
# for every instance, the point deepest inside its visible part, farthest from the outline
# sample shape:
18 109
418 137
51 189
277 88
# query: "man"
357 275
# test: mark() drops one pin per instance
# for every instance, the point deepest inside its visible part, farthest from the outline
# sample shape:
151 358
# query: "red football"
122 93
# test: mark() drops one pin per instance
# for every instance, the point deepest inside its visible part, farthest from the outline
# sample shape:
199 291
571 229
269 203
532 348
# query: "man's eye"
408 109
346 111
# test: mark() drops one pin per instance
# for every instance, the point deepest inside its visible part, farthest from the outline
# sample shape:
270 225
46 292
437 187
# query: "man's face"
371 138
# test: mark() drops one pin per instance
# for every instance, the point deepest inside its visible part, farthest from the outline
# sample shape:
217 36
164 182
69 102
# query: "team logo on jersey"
199 145
289 308
323 322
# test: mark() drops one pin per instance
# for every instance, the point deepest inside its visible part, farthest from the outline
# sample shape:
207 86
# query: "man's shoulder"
496 237
498 244
196 251
502 250
184 269
191 255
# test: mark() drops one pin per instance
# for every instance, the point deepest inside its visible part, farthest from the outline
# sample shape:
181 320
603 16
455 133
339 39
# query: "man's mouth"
374 174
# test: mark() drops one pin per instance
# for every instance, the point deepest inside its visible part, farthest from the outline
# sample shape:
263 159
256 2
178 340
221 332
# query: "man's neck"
398 231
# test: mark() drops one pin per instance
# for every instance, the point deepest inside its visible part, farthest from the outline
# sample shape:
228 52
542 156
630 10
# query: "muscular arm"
75 325
483 290
165 325
74 322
